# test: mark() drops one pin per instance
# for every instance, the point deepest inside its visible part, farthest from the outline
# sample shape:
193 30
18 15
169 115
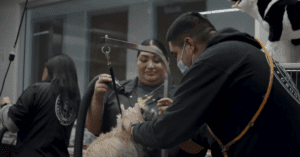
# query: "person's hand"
5 100
163 104
237 2
131 115
100 87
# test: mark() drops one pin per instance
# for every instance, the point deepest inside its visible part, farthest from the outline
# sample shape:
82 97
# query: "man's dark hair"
191 24
157 43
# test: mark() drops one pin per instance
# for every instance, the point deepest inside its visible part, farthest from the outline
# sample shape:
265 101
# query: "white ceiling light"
219 11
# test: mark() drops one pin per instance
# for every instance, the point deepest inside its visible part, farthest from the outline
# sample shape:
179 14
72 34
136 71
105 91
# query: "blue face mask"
182 67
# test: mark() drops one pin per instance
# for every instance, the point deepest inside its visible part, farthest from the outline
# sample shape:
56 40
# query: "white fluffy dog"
118 142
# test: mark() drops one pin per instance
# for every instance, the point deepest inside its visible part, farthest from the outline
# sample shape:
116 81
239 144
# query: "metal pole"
297 80
290 65
127 45
219 11
164 152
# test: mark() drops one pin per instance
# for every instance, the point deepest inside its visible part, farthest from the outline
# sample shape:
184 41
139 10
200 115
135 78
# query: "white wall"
260 33
10 16
238 20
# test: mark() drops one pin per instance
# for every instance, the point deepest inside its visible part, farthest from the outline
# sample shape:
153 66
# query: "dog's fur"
118 142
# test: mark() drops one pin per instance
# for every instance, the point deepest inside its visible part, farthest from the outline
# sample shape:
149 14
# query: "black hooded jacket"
224 88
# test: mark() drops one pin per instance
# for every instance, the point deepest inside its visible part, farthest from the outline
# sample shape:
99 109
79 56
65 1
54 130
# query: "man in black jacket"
226 76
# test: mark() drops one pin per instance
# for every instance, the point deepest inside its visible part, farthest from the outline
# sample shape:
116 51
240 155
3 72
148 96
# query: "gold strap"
251 123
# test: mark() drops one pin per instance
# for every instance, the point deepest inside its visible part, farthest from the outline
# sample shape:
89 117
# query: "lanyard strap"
251 123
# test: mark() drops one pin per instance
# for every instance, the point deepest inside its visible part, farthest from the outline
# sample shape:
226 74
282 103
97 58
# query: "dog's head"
148 114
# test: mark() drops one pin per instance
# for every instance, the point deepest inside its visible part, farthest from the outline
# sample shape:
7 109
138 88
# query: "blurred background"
74 27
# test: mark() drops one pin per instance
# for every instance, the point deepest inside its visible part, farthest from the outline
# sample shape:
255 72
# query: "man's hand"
163 104
100 87
5 100
131 115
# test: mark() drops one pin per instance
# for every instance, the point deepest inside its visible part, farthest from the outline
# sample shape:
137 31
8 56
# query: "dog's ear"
143 106
142 110
154 114
146 114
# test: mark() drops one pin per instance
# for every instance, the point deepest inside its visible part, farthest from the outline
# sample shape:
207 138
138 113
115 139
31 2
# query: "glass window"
166 14
115 25
47 42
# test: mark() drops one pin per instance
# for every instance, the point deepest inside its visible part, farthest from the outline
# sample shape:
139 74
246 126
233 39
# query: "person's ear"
190 43
45 74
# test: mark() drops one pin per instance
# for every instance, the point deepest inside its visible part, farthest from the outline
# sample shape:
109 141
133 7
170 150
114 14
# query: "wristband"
133 124
4 105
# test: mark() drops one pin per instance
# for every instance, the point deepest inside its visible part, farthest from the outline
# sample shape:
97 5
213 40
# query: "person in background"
146 87
45 112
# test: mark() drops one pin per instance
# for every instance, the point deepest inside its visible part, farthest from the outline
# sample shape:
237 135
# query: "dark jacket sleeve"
20 112
194 100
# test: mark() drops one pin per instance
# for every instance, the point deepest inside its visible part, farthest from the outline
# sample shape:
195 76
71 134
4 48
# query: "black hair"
158 44
191 24
63 77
